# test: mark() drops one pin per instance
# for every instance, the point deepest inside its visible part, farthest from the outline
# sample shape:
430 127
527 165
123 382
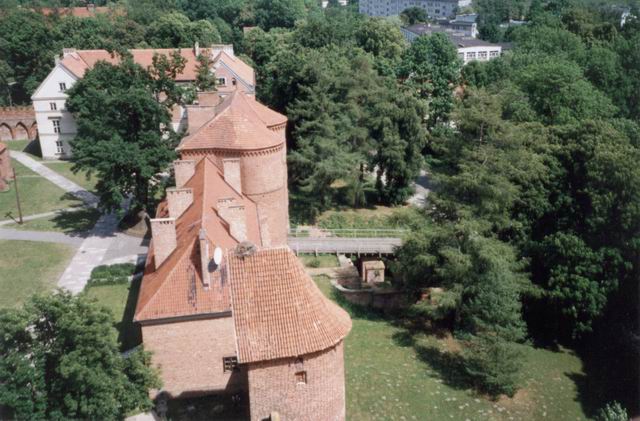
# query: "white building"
469 48
434 8
56 126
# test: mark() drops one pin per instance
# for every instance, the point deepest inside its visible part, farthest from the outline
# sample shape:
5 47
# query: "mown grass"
380 217
29 267
72 222
120 299
392 374
37 195
319 261
81 178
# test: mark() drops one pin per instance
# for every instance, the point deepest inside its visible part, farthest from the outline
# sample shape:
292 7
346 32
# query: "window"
494 54
63 86
229 363
53 106
301 377
56 125
461 56
222 81
471 55
59 147
482 55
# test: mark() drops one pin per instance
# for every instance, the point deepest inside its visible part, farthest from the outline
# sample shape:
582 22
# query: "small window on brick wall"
229 363
301 377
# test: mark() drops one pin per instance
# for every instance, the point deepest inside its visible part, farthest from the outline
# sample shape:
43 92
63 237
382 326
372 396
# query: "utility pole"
15 182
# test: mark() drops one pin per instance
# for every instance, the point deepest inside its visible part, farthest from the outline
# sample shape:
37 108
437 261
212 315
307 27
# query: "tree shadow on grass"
76 223
449 365
129 333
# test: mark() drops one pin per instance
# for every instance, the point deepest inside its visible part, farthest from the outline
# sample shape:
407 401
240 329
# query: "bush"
314 263
613 411
493 364
112 274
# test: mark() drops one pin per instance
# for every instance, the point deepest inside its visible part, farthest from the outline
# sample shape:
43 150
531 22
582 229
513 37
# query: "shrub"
314 263
493 364
112 274
613 411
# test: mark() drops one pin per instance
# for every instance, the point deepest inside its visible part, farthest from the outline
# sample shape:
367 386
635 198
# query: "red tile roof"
79 12
239 67
80 61
166 289
236 126
278 311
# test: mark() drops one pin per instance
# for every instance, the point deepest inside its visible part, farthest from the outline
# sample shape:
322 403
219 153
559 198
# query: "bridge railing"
312 232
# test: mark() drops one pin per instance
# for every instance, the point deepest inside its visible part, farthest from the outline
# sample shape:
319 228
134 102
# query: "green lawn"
64 168
68 222
37 195
29 147
393 375
320 261
17 145
27 267
121 300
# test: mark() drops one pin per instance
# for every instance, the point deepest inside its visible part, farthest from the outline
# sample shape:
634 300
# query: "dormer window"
222 81
63 86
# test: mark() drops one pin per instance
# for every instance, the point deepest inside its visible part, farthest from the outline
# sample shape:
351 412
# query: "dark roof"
460 41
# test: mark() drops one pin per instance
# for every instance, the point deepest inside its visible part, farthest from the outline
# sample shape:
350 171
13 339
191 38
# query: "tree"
381 38
59 359
413 15
205 77
176 30
124 131
431 68
278 13
613 411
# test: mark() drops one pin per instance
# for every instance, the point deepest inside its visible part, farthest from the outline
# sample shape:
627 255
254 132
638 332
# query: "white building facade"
56 126
434 8
469 48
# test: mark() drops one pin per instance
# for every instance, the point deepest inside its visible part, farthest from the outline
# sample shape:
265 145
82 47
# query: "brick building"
6 172
225 306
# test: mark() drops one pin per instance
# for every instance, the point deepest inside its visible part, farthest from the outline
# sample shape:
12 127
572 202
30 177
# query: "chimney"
232 174
234 214
184 170
179 200
204 258
91 7
196 48
163 232
68 51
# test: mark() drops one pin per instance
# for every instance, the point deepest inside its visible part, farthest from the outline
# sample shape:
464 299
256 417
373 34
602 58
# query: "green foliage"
176 30
205 78
60 360
431 68
613 411
413 15
111 274
123 123
278 13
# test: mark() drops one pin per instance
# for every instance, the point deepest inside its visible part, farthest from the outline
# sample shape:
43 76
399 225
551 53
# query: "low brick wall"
384 299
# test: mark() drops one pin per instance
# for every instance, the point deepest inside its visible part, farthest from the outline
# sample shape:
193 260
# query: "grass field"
391 375
28 267
37 195
64 168
320 261
69 222
121 300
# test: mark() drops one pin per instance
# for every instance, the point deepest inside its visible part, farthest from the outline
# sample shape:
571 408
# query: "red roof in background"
237 125
79 12
278 310
78 62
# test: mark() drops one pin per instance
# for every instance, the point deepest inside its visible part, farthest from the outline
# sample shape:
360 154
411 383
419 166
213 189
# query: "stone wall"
17 123
317 395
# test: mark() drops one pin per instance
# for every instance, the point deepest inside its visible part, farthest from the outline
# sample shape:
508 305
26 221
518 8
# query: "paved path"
39 215
60 181
344 245
44 236
98 241
423 187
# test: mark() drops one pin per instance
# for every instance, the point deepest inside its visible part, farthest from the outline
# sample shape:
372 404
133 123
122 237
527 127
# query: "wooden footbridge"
346 241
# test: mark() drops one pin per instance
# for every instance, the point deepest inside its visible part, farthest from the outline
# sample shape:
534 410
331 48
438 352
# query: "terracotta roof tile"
80 61
164 290
278 311
235 126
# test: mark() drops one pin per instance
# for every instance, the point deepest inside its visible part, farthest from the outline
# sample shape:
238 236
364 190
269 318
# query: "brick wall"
163 232
274 386
178 200
189 355
5 168
184 170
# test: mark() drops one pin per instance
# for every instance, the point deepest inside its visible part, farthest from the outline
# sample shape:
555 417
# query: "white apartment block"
469 48
434 8
56 126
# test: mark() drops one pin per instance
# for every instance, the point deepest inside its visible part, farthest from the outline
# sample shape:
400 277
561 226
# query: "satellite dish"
217 256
